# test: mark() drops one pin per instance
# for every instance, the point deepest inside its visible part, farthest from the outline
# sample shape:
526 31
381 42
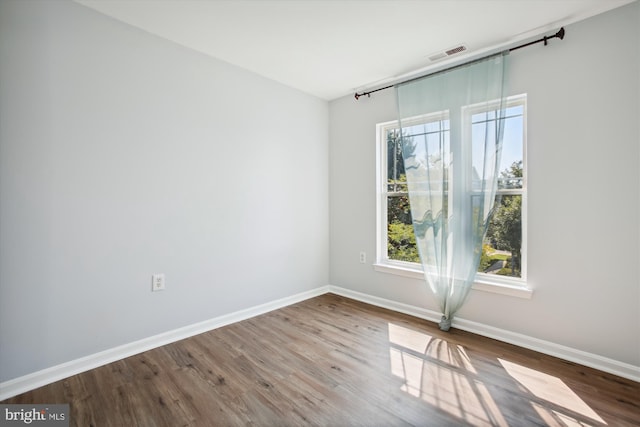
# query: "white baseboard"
595 361
55 373
411 310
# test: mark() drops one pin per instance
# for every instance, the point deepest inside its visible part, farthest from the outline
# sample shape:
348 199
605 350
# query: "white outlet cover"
157 282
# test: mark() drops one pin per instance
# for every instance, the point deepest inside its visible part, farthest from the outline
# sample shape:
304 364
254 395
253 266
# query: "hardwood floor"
332 361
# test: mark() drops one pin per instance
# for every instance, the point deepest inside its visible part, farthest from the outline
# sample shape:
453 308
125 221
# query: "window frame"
517 287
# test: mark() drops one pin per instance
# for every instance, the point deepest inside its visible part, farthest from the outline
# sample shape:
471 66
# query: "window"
504 259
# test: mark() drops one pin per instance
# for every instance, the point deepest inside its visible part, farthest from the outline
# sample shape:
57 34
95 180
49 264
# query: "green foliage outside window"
401 241
505 229
501 252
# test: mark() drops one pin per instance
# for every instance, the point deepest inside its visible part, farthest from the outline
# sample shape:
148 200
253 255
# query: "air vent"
455 50
448 52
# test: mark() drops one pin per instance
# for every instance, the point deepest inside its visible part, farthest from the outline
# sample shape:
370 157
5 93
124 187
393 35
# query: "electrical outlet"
157 282
363 257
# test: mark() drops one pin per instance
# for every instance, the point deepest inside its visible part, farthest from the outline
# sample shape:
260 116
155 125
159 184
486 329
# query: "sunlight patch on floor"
553 390
408 338
556 419
424 344
441 375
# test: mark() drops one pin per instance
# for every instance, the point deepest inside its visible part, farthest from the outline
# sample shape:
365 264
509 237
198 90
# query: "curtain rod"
545 40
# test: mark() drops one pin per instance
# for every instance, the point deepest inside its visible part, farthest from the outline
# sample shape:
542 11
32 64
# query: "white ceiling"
331 48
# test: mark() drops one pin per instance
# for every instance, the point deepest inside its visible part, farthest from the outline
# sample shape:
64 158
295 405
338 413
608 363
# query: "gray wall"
123 155
583 140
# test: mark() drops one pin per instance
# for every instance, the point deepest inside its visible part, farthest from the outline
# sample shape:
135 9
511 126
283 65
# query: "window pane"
395 164
431 140
511 160
401 242
512 153
426 140
501 251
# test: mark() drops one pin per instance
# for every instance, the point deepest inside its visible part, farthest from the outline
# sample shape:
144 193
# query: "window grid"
395 188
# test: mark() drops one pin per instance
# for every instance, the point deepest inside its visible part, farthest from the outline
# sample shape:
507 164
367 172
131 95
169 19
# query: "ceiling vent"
449 52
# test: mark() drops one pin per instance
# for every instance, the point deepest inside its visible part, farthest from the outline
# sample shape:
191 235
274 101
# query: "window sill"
502 287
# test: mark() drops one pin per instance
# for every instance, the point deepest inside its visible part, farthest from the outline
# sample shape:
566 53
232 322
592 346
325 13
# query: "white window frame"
517 287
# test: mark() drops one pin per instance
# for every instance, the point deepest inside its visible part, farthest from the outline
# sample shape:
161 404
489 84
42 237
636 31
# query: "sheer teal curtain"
452 169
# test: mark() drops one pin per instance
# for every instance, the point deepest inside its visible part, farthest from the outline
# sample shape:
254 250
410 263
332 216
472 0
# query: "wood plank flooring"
332 361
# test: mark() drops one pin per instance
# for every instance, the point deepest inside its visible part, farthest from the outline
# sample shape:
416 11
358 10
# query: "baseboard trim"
411 310
46 376
595 361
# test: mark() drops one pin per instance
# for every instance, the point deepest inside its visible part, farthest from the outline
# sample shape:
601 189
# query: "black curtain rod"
545 40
